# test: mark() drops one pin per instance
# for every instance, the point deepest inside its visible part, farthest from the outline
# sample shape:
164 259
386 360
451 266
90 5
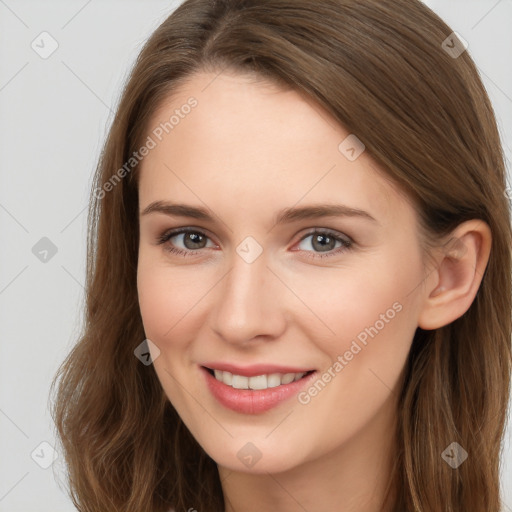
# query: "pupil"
196 238
328 245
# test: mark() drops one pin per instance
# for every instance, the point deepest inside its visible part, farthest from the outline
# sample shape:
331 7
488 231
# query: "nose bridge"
248 301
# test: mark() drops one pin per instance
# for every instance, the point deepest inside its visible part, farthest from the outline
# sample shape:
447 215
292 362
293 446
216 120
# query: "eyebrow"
286 215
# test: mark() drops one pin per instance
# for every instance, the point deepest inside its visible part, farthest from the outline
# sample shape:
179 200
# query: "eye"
325 241
192 240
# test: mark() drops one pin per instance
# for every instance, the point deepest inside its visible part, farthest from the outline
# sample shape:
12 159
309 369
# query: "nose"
250 303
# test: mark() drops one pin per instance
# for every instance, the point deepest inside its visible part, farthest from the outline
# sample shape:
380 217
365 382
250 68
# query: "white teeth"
274 380
257 382
287 378
240 382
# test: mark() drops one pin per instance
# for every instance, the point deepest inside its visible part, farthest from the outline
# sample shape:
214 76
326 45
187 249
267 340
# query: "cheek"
375 330
373 316
346 301
173 303
153 301
166 301
365 314
165 297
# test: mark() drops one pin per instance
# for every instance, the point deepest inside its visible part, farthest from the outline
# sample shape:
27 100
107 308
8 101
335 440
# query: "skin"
245 152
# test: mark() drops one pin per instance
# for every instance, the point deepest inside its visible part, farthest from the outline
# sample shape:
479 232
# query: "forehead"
252 142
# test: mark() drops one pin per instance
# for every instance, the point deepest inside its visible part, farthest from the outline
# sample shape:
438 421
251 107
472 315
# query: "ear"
452 286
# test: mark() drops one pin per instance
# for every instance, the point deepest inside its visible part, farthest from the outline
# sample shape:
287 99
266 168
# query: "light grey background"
54 117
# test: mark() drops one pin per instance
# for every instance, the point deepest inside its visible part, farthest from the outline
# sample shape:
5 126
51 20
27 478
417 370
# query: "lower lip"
247 401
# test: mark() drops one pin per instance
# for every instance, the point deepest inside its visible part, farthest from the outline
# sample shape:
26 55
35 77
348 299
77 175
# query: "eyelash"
167 235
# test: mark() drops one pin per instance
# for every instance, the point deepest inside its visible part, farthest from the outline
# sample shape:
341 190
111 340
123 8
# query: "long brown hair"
383 70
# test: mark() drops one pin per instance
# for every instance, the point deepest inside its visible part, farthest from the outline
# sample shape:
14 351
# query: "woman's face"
269 283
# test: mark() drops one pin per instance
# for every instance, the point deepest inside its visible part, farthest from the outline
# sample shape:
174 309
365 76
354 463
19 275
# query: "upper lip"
255 369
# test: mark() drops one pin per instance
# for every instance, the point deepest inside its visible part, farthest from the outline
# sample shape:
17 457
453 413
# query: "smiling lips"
255 389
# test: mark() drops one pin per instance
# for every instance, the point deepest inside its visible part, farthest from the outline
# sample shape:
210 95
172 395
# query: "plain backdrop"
54 115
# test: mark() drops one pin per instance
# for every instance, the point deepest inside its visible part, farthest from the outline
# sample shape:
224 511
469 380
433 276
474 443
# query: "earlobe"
454 283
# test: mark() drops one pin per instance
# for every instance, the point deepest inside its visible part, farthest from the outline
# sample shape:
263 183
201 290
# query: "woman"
299 272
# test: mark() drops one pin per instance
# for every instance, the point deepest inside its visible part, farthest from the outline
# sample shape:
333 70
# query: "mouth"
254 394
257 382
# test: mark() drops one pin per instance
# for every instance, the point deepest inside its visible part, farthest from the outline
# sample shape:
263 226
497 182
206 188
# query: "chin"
256 456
